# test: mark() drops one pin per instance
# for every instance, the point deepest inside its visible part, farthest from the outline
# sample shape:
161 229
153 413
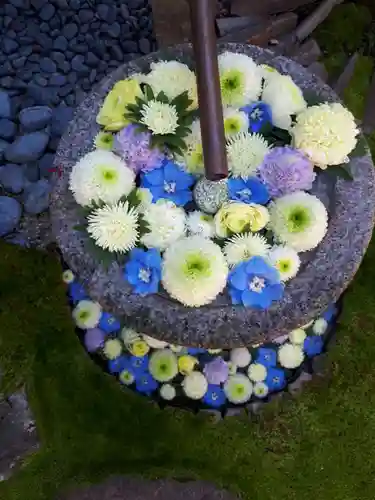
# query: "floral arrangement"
147 205
206 378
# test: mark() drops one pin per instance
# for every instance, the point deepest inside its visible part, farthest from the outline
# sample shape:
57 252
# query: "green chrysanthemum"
87 314
112 348
126 377
238 389
104 140
235 122
163 365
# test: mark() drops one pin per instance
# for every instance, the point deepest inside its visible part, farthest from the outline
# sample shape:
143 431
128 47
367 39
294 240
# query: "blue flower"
313 345
214 396
146 384
250 190
76 292
108 323
275 379
138 365
194 351
118 364
259 113
143 271
330 313
169 182
267 357
254 283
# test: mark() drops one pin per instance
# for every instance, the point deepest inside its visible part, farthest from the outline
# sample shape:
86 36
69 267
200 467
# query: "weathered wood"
368 123
262 33
228 25
319 70
307 53
318 16
343 81
267 7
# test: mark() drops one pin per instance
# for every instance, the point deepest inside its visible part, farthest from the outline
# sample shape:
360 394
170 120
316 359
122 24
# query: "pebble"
85 15
12 178
10 10
7 128
36 199
58 57
10 214
129 46
78 64
47 65
38 4
9 45
67 89
6 69
92 59
65 67
116 53
60 119
40 80
80 48
57 80
31 171
72 78
3 147
44 28
124 11
35 118
114 30
107 12
45 165
19 62
61 43
62 4
22 4
69 31
27 147
5 105
26 51
144 45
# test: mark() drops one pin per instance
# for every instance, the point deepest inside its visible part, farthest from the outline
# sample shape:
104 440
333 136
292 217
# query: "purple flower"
286 170
216 371
259 113
254 283
313 345
250 190
214 396
94 339
135 148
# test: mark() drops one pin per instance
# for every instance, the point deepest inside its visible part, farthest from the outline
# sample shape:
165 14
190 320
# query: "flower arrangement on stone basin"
147 204
197 377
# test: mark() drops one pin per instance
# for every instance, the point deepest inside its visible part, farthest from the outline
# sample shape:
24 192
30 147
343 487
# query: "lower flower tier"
198 378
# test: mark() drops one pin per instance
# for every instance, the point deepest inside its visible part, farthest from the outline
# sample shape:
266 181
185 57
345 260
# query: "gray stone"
129 46
10 215
92 76
78 64
65 67
27 147
58 57
11 34
61 43
62 4
36 199
44 28
61 117
31 171
45 165
38 4
10 10
107 12
9 45
72 78
114 30
40 80
85 15
80 48
35 118
124 11
325 274
69 31
6 69
47 65
7 128
3 147
25 40
18 437
70 100
116 53
26 50
144 45
12 178
75 4
65 90
19 62
92 59
5 105
22 4
57 80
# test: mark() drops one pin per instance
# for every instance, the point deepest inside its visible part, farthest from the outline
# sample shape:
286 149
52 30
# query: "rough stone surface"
18 436
117 488
324 275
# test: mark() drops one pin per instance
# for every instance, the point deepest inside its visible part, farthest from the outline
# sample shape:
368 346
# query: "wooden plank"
343 81
368 123
227 25
267 7
318 16
319 70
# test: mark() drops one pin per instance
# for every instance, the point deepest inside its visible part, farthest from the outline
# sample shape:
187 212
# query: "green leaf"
176 141
182 101
132 108
281 134
360 149
341 171
140 103
162 97
149 93
133 199
143 226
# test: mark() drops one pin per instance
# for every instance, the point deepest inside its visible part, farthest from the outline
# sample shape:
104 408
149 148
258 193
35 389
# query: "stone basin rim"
319 284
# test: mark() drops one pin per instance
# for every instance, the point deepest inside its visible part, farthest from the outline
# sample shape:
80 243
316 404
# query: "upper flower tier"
235 317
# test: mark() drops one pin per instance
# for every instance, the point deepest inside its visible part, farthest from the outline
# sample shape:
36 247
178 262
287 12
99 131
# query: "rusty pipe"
202 16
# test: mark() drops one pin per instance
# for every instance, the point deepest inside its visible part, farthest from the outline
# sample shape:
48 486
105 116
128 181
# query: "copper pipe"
202 15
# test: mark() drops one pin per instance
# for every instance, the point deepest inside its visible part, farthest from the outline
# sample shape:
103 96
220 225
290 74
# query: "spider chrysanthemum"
242 247
245 153
160 118
114 227
194 271
100 176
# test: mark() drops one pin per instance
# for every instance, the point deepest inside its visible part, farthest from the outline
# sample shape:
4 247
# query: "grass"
319 445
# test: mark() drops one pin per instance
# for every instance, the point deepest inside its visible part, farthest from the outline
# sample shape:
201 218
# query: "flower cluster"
147 204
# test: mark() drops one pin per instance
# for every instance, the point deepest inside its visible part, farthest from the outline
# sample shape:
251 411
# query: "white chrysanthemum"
285 99
232 368
235 121
305 327
242 247
240 356
298 220
144 195
192 158
240 79
194 271
112 348
154 343
100 176
290 356
238 389
129 336
195 385
257 372
87 314
126 377
200 224
326 134
260 390
176 348
268 71
320 326
159 117
214 351
173 78
167 392
166 224
286 260
68 276
114 228
139 77
297 336
245 153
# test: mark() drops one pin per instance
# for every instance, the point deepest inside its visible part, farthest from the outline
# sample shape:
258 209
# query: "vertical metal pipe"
202 15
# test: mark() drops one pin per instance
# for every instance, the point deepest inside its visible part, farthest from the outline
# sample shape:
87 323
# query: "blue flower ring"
143 271
250 190
259 114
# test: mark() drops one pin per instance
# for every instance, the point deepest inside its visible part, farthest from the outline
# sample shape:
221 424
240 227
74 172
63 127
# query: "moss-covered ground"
321 445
